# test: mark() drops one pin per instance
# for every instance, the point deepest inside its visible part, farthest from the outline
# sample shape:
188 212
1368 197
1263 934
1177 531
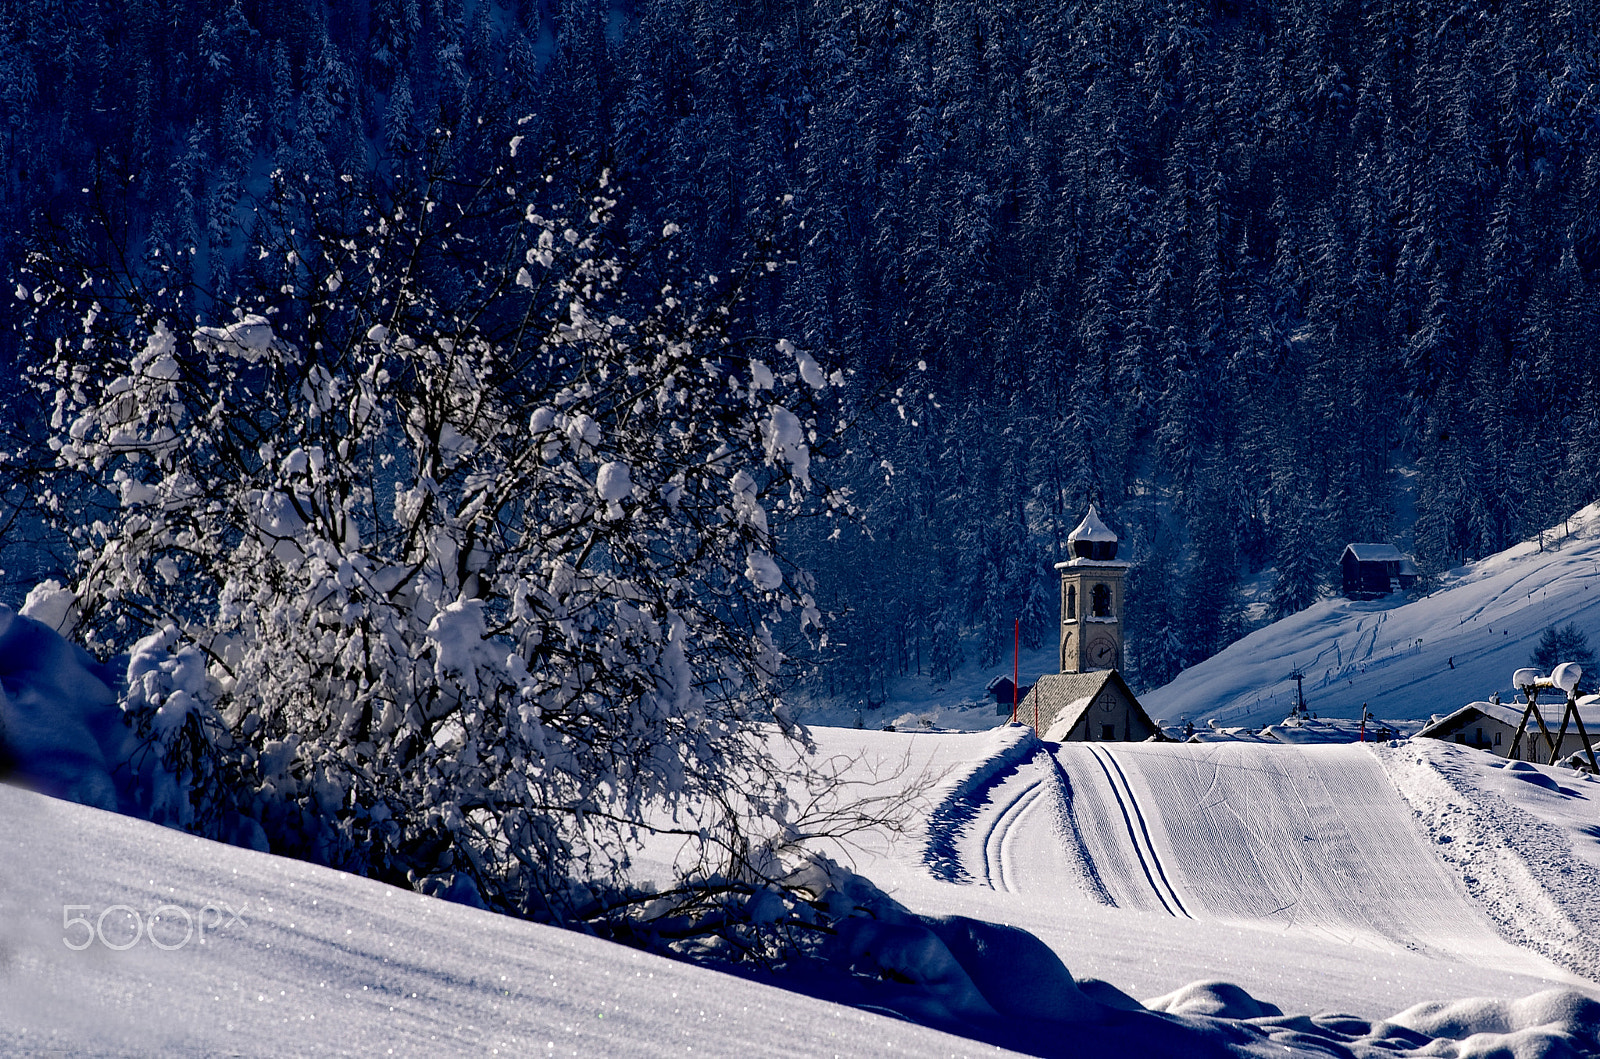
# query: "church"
1089 700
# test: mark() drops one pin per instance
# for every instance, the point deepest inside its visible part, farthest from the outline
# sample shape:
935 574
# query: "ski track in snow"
1308 840
1138 831
995 843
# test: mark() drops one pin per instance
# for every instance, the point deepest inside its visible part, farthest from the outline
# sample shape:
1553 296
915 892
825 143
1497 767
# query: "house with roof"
1492 725
1006 694
1372 570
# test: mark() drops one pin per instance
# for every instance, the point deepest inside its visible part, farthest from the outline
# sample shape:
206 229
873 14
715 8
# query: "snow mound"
60 729
49 602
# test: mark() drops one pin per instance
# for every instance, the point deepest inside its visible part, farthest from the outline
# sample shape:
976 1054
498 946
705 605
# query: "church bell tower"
1091 599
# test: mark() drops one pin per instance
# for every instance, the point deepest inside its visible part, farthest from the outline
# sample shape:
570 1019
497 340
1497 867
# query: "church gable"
1094 707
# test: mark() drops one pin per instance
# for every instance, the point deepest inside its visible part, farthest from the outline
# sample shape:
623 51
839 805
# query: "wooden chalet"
1372 570
1005 693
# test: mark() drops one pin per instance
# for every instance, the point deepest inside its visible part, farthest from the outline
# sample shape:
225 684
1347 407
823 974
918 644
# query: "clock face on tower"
1102 652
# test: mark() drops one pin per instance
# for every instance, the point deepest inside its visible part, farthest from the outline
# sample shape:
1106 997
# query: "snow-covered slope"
1300 875
1296 873
1404 659
239 952
258 955
1025 902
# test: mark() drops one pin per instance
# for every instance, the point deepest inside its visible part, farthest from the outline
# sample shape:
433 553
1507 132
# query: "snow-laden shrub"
446 559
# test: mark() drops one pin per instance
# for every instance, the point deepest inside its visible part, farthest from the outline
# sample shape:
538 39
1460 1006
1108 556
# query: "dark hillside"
1219 268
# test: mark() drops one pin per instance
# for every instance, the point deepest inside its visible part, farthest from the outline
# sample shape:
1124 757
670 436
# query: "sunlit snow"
1226 897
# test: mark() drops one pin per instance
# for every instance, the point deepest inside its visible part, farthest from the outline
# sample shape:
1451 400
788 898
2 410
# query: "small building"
1372 570
1097 706
1491 725
1006 693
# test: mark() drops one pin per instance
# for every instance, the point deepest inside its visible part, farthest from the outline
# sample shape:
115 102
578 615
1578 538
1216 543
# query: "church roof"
1092 529
1063 698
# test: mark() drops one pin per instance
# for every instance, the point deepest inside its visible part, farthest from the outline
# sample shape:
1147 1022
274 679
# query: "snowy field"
258 955
1405 658
1263 897
1230 897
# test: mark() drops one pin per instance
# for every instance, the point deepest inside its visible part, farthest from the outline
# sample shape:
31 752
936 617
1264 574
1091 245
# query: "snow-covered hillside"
1404 658
1222 899
1215 899
119 937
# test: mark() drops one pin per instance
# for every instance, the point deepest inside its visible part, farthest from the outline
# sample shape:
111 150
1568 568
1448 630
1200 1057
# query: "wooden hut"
1372 570
1006 693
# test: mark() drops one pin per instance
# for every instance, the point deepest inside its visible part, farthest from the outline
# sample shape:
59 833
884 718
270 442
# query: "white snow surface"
1223 898
1406 658
1298 873
613 481
319 962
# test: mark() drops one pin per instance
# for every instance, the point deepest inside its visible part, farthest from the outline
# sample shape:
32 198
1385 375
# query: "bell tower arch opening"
1101 607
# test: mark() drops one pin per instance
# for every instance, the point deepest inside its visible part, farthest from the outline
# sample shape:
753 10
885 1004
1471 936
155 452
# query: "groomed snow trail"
1137 830
1310 840
995 853
1020 838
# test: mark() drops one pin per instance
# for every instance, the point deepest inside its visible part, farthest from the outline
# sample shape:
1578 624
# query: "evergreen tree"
1567 644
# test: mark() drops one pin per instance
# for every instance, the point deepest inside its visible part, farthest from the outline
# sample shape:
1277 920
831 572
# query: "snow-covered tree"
451 557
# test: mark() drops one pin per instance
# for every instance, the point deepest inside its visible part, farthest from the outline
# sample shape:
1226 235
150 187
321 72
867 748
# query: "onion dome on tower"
1093 539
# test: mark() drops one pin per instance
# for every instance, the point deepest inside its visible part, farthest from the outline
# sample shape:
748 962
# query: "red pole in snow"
1016 665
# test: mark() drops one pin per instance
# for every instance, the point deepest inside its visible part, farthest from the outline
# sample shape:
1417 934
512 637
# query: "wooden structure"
1372 570
1087 707
1565 677
1006 693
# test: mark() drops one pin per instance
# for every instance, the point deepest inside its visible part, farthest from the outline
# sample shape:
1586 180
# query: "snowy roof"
1092 529
1375 553
1510 714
